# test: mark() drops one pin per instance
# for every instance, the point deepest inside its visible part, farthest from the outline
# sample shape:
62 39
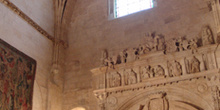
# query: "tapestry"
17 73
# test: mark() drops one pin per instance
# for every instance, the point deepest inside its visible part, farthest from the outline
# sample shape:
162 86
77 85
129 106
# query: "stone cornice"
15 9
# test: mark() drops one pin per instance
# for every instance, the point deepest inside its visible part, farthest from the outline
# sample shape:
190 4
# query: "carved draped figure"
195 65
157 102
207 37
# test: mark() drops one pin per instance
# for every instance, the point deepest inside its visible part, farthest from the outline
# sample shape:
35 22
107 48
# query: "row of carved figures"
157 42
130 76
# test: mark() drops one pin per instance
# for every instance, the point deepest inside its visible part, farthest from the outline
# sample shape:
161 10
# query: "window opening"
126 7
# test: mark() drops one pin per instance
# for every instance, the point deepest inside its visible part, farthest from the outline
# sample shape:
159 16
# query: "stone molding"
16 10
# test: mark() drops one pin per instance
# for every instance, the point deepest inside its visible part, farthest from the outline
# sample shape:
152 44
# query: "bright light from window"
79 108
125 7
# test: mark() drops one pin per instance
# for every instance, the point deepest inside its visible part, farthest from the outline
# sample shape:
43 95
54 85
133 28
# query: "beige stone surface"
41 11
25 38
90 32
179 78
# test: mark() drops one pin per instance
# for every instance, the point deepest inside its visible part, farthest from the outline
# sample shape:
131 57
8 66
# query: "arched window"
79 108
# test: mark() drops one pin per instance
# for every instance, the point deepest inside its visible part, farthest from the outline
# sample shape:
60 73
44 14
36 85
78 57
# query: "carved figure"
171 46
159 43
124 56
109 62
156 102
149 41
131 56
193 45
159 71
115 80
182 44
174 68
185 44
130 77
195 65
207 37
146 73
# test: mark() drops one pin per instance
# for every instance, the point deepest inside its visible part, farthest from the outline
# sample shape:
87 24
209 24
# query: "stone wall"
17 32
90 32
41 11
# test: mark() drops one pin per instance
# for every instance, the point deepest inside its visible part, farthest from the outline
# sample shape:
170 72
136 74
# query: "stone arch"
181 97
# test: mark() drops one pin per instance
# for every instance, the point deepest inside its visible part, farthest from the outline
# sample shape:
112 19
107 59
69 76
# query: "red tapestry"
17 72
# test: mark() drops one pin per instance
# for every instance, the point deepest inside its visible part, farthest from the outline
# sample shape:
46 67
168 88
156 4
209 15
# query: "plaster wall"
18 33
41 11
90 32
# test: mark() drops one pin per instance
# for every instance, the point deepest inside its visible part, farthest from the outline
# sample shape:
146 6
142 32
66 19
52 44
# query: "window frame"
111 9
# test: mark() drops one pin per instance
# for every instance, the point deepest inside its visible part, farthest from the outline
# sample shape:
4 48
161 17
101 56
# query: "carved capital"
101 97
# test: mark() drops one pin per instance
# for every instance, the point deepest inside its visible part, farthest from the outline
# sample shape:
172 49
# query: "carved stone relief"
159 42
207 36
193 45
156 102
216 97
158 71
182 44
156 42
130 77
101 97
146 73
112 101
157 64
172 46
194 65
115 79
174 68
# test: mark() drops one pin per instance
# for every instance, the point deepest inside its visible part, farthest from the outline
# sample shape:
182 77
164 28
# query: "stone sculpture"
207 37
194 65
182 44
146 73
110 62
155 42
193 45
158 71
159 43
130 77
115 80
174 68
124 56
156 102
171 46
